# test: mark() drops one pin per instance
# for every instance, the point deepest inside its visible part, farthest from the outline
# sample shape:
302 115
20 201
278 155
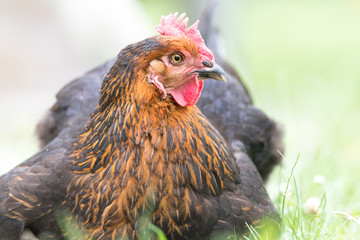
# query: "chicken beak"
215 72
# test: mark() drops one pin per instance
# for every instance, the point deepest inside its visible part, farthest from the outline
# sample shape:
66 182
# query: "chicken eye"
176 58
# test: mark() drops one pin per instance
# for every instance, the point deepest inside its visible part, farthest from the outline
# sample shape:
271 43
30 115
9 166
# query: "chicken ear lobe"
157 67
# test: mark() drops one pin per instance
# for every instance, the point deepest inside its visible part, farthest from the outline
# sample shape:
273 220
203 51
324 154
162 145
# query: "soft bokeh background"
300 60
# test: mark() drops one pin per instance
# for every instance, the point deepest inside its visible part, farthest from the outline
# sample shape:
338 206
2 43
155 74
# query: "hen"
146 147
228 106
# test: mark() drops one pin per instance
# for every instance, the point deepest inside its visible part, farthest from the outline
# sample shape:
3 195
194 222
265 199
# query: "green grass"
301 220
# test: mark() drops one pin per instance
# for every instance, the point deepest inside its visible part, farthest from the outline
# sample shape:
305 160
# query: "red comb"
172 25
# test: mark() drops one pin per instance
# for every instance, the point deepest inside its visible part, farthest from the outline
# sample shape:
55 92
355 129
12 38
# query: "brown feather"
142 146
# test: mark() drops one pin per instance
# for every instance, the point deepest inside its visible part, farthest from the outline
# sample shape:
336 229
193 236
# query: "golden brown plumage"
146 148
138 144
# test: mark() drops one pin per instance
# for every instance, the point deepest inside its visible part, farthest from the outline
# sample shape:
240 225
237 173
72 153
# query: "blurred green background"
300 60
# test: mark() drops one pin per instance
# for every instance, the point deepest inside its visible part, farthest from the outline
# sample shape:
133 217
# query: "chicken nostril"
207 63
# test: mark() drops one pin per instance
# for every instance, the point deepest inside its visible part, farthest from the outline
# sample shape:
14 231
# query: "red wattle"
188 94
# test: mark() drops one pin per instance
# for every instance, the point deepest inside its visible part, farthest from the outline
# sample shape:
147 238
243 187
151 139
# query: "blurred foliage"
302 69
158 8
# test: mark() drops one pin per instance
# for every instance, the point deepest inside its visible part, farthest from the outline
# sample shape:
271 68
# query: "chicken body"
138 152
